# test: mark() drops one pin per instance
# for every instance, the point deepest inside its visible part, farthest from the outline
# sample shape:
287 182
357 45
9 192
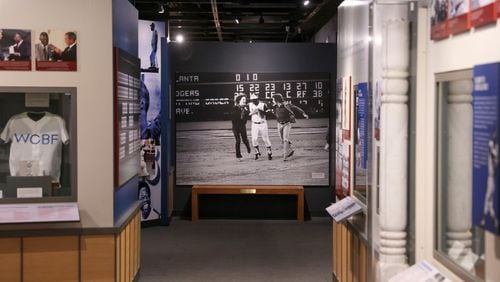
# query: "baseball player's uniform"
259 127
35 144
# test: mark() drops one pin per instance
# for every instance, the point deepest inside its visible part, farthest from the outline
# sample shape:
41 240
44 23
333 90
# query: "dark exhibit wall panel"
205 114
205 150
253 57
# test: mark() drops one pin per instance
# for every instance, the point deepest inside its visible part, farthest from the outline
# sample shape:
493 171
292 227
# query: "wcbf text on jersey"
36 139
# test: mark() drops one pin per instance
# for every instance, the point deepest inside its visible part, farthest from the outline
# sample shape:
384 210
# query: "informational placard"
439 16
37 100
362 115
458 16
346 169
127 116
422 271
30 192
56 50
343 209
483 12
220 141
15 49
50 212
346 107
485 173
210 96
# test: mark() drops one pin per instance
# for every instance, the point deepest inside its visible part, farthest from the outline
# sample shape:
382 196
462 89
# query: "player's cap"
253 97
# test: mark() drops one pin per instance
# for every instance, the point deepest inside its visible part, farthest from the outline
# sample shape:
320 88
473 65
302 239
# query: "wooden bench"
247 190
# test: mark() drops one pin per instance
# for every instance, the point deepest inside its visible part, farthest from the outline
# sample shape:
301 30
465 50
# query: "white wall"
328 33
456 53
93 21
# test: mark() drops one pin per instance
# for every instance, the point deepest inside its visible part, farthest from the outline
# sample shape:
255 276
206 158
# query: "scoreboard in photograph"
210 96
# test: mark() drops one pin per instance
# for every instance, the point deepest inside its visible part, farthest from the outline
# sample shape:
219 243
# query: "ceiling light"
179 38
161 9
306 2
237 20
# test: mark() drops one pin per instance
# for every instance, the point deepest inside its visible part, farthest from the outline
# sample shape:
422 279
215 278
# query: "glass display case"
459 244
37 144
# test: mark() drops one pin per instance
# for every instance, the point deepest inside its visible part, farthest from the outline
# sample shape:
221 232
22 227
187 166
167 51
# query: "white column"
394 149
459 163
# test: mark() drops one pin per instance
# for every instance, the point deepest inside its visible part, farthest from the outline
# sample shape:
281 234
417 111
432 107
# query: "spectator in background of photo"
43 51
21 51
239 120
69 53
258 111
285 116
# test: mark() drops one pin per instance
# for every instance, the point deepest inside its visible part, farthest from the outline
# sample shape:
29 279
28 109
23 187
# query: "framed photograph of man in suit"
55 50
15 49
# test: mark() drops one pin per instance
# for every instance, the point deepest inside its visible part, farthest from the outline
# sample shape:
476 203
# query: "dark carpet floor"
238 250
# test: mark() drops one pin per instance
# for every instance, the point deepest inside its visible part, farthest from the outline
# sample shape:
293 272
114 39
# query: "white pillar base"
389 266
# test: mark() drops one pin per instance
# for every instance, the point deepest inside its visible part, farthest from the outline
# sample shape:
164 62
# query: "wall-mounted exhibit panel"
38 144
280 144
127 116
228 128
210 77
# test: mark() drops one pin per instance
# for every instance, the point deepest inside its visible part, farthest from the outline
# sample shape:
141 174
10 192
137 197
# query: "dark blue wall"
125 37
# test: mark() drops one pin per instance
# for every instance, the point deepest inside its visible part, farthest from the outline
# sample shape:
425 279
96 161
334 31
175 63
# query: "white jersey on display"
37 143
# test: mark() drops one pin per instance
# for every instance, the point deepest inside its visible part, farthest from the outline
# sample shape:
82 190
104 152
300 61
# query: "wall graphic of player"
489 208
154 47
145 198
150 168
285 117
150 133
239 120
258 111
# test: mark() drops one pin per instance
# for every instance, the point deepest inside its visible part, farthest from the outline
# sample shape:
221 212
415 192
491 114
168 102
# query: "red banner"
15 65
55 66
440 31
484 15
459 24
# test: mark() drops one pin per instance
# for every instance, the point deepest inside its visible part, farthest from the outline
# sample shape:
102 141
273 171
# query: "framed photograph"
439 19
252 128
55 50
458 16
15 49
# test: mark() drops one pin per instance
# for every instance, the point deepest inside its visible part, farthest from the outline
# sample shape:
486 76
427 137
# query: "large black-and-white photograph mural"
252 128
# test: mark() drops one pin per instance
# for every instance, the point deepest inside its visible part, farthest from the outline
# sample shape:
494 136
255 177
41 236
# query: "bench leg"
194 206
300 207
